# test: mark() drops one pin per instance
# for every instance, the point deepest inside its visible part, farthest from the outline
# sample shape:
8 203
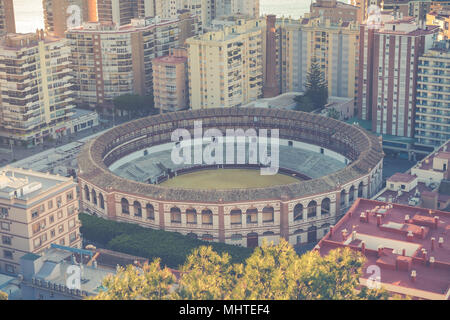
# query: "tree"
148 283
3 295
316 90
269 274
134 104
207 276
333 113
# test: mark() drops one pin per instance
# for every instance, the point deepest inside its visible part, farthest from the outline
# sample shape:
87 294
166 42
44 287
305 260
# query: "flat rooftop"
443 152
27 184
399 239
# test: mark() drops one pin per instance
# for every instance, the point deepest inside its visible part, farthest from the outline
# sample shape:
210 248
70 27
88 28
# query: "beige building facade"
36 210
36 81
226 67
7 20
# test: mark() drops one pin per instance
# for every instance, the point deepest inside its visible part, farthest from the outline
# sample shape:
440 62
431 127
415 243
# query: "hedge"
173 248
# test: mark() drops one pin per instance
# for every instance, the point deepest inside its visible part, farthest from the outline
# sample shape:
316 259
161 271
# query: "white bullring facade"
300 212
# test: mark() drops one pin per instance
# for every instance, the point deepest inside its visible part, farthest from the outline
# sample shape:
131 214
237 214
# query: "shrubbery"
172 248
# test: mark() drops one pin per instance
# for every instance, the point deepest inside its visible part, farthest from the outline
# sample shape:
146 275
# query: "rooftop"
399 239
26 184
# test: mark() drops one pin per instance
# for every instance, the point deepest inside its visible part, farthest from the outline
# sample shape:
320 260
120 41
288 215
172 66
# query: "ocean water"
29 14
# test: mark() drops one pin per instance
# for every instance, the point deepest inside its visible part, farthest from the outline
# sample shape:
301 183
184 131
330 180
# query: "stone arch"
251 216
137 207
298 212
312 209
268 214
351 194
101 200
361 189
236 217
150 211
125 206
325 207
94 196
87 193
191 216
175 215
207 217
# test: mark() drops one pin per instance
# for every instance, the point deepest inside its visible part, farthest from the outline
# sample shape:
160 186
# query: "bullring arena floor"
311 164
227 179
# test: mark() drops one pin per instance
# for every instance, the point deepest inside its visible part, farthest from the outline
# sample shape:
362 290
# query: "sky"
29 15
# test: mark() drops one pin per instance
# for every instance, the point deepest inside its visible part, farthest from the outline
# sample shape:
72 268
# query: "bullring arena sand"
222 179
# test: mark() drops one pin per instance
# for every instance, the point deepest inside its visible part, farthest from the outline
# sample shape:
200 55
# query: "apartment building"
387 80
440 18
36 210
232 7
7 20
59 13
36 81
110 60
333 10
118 11
226 67
170 81
433 96
334 46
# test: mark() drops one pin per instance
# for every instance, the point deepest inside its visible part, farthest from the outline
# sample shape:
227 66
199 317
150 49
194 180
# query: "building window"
70 196
51 219
52 233
10 268
60 214
73 237
61 229
50 204
6 240
62 242
5 226
8 254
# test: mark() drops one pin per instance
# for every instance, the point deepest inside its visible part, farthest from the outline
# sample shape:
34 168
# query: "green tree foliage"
173 248
272 272
333 113
147 283
208 276
316 90
134 104
3 295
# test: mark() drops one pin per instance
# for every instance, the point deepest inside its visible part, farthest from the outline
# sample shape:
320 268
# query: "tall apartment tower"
226 67
118 11
232 7
61 15
36 211
334 10
335 47
7 20
36 98
433 96
388 67
109 61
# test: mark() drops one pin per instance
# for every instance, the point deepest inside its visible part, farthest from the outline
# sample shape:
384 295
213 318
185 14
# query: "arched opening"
207 217
175 215
150 212
236 217
298 234
191 216
137 209
312 209
252 216
298 212
351 194
360 189
125 206
94 197
343 194
87 195
252 240
312 234
325 228
102 200
268 214
325 206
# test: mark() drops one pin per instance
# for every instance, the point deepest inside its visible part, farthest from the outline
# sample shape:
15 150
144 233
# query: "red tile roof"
392 228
